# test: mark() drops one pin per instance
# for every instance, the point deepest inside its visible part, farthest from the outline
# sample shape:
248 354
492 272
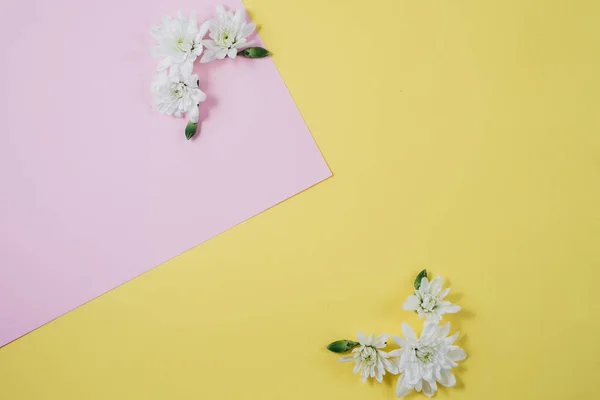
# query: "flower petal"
433 384
427 389
429 330
444 293
248 29
203 29
447 378
362 338
402 389
435 286
408 332
201 96
232 53
193 20
411 303
443 330
193 115
209 55
156 31
164 64
364 374
395 353
447 307
451 339
455 353
185 70
238 18
433 317
426 372
221 9
424 288
371 340
412 374
221 54
390 366
379 375
209 44
381 340
404 361
419 386
399 341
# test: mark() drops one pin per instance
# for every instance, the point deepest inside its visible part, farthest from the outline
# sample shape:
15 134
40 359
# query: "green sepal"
342 346
254 52
422 274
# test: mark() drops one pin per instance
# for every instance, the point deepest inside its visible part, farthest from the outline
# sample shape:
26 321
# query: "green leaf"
342 346
190 130
254 52
422 274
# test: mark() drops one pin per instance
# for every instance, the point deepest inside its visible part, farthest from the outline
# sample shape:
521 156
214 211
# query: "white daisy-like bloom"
369 359
177 93
427 360
228 34
179 41
428 300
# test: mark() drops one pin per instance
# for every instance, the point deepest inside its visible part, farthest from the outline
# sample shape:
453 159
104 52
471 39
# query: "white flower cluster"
421 362
179 42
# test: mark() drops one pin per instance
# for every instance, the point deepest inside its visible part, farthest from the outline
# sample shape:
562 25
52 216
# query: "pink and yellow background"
463 137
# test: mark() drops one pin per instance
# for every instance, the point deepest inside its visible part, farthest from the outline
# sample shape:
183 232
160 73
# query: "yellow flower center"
368 354
425 354
227 38
179 43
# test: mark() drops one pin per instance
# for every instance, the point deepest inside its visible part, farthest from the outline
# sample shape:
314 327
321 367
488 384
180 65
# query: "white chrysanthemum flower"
179 41
175 94
228 33
428 300
426 360
369 359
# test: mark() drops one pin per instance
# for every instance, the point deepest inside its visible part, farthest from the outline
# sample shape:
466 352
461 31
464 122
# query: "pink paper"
96 187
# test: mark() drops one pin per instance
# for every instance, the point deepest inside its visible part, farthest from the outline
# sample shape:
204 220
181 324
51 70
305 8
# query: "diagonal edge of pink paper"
95 186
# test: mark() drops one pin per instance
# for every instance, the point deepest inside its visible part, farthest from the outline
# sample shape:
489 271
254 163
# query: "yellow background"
464 138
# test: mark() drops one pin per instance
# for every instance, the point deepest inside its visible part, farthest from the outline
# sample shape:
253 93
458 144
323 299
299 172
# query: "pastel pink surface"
95 186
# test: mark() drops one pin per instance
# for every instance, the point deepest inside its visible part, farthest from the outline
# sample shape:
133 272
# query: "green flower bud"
342 346
190 130
254 52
